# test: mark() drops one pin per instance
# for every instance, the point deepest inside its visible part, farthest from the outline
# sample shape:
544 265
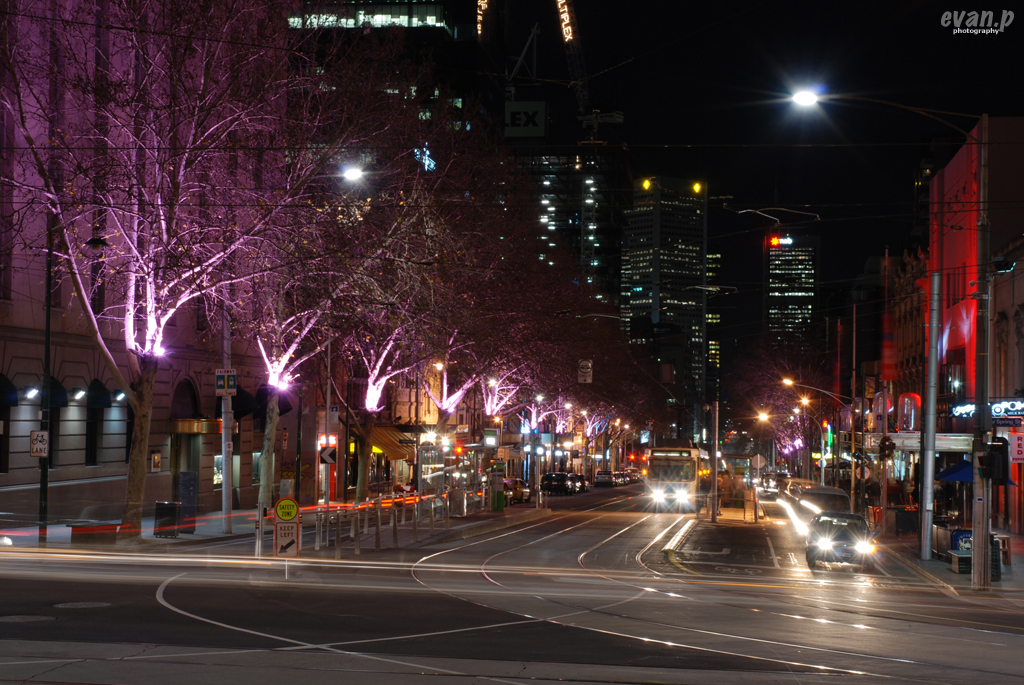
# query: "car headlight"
824 543
864 547
681 495
658 496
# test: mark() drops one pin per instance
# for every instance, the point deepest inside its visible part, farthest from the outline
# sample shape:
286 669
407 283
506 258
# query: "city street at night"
588 595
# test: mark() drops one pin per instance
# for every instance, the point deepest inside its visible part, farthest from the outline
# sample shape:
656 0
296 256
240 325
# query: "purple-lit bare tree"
167 132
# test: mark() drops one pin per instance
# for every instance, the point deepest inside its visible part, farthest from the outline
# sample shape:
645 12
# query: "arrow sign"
286 546
329 455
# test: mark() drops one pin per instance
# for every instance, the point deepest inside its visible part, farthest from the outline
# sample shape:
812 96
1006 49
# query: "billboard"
525 119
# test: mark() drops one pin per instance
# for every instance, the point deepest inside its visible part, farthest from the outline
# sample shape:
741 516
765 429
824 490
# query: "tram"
671 476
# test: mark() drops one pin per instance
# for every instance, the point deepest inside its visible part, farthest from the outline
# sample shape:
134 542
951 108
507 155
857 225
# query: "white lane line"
775 559
371 657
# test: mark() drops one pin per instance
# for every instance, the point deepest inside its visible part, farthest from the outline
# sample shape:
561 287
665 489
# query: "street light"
980 571
352 173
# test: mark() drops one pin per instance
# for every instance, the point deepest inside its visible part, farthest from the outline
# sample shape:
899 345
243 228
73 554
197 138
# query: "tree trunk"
268 468
365 454
443 417
130 530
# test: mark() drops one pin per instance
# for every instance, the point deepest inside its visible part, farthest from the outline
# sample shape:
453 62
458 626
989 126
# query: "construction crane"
590 118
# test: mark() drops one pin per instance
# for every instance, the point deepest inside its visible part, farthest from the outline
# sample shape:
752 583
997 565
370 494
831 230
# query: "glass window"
218 470
257 466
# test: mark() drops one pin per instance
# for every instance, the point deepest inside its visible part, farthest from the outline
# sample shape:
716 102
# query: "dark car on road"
557 483
840 537
579 483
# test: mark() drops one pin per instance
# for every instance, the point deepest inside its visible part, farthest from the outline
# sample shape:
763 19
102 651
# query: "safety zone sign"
286 528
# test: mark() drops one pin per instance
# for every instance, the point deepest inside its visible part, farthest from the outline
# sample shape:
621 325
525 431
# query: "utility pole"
853 417
227 419
45 400
714 462
928 432
981 578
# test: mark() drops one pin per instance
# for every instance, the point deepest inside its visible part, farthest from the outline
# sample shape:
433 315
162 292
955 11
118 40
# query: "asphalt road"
588 595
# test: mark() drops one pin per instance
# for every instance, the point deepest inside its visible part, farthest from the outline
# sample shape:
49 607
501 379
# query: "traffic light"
998 458
886 448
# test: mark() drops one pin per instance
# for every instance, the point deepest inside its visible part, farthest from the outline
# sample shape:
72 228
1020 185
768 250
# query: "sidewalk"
209 532
906 550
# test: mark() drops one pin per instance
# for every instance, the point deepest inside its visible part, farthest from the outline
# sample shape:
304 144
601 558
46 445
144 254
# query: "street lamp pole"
44 414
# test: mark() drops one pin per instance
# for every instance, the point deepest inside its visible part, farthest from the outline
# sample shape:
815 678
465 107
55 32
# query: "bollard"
416 519
366 523
327 527
355 529
403 511
394 527
319 522
337 537
447 512
432 516
259 530
376 527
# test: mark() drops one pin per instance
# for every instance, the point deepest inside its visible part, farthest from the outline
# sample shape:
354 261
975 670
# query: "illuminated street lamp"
352 174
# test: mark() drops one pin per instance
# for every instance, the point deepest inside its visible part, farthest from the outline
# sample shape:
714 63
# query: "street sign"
585 371
329 455
287 509
286 539
39 444
404 441
757 461
334 414
226 382
1007 421
286 528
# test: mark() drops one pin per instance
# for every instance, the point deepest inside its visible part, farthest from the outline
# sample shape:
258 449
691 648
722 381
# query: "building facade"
790 283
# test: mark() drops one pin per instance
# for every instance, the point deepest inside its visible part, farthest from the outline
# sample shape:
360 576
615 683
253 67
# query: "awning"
243 404
386 439
97 396
8 392
58 395
960 472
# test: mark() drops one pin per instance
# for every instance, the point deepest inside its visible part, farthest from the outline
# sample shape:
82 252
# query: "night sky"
705 87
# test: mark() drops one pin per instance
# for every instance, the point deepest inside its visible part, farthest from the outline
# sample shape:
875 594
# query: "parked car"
620 478
605 478
633 474
516 490
840 537
582 484
556 483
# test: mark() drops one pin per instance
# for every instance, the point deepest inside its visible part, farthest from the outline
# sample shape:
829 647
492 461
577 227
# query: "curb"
898 556
482 528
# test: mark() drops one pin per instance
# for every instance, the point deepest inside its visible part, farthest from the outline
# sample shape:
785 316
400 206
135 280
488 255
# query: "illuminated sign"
481 7
563 15
1007 408
776 241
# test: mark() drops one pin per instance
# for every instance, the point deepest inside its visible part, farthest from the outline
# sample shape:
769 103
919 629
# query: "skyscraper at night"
664 281
790 283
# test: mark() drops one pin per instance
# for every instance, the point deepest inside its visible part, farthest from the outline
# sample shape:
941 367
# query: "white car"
604 478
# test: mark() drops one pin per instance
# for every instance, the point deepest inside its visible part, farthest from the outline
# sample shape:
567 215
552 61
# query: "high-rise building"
790 283
664 282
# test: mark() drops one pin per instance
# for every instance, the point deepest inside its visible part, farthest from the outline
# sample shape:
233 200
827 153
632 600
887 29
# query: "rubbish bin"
165 521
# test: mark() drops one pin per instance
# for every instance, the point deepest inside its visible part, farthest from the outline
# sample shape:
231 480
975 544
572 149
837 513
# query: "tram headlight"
824 543
864 547
658 495
681 495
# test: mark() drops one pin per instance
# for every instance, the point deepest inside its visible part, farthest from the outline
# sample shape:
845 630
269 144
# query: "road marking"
725 551
775 559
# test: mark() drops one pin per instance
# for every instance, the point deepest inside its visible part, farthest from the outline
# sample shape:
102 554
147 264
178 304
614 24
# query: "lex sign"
524 119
